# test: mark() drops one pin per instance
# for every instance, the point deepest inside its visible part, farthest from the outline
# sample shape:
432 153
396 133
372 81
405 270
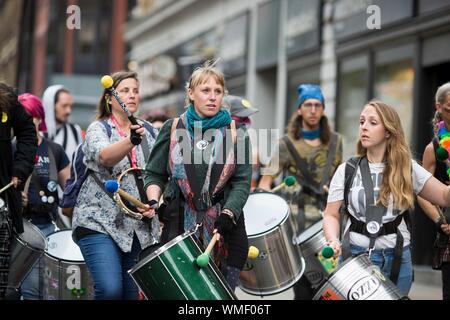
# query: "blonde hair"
441 94
201 74
397 172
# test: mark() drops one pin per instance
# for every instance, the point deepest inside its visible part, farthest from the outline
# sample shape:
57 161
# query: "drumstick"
287 182
203 259
113 187
6 187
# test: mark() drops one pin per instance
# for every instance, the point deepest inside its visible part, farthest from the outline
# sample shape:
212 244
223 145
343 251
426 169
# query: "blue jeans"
108 266
383 258
31 287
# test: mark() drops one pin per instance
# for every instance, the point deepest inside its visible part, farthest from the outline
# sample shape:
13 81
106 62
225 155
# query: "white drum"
66 276
279 264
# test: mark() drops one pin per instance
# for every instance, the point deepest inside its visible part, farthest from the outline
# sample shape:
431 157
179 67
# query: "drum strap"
303 173
374 214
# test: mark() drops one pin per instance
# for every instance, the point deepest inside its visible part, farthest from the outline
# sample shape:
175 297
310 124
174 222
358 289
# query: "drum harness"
373 227
304 178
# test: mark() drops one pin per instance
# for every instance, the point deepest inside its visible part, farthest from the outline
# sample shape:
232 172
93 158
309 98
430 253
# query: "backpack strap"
75 133
331 154
350 173
302 174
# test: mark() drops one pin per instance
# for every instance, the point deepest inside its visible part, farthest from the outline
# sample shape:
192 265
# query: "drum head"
310 232
62 247
263 212
32 236
2 204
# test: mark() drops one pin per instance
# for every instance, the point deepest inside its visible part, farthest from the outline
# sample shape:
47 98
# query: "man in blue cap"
311 152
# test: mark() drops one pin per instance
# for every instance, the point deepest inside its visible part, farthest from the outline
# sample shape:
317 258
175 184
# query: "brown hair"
8 97
397 172
104 111
295 128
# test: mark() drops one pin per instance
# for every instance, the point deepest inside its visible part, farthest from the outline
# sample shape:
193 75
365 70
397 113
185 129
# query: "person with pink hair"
40 200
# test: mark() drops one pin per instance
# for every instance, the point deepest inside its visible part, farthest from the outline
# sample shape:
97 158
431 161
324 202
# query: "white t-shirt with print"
356 201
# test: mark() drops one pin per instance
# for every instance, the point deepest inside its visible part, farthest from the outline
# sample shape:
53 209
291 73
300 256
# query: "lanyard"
122 134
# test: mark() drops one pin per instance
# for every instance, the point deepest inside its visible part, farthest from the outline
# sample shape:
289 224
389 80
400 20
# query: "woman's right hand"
336 245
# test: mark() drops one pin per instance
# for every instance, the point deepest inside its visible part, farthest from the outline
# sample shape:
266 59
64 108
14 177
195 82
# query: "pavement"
427 285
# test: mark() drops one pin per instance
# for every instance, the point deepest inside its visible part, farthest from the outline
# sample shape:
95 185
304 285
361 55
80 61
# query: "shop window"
353 84
394 82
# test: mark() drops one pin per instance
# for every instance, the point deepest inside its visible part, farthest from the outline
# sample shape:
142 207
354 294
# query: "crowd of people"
174 173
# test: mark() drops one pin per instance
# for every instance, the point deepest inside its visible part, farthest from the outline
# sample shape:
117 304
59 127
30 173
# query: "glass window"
394 80
352 97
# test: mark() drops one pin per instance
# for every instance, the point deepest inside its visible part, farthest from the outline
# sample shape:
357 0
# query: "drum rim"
250 236
288 213
310 237
26 243
59 259
164 247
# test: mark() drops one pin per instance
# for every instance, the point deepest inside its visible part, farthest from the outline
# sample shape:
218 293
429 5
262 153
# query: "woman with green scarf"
210 193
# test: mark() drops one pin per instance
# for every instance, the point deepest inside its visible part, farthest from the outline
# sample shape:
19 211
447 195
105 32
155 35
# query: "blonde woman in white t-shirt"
382 149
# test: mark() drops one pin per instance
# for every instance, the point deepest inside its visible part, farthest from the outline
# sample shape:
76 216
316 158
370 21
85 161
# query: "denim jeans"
31 287
108 266
383 258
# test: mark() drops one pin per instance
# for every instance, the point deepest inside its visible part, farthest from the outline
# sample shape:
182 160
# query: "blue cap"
309 91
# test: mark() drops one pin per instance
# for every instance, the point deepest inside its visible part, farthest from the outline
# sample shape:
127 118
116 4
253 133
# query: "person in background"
109 239
40 201
440 215
311 152
14 168
241 110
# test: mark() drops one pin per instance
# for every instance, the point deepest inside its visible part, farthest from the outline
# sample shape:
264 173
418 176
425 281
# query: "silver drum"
358 279
26 249
280 264
311 242
66 276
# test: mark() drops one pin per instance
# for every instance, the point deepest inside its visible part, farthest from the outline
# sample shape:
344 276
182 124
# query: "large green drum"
171 273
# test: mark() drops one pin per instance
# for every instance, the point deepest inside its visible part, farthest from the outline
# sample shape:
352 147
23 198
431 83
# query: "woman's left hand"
147 212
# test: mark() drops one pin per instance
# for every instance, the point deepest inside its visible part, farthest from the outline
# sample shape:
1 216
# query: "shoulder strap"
64 128
374 213
302 169
51 156
350 172
75 133
217 168
331 155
